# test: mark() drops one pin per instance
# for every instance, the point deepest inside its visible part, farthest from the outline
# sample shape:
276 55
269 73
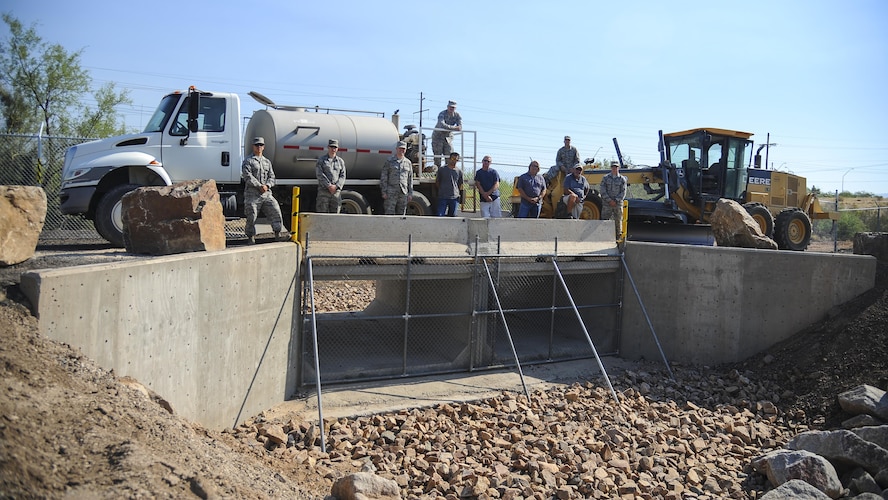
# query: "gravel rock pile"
692 437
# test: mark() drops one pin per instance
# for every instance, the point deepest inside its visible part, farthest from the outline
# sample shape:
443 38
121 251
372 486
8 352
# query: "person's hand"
263 188
332 188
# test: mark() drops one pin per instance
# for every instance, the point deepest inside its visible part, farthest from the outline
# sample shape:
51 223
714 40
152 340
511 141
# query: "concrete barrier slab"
388 235
196 328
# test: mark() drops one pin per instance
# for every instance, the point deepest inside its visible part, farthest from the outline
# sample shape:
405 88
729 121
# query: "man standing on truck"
613 192
576 187
442 138
396 181
330 171
258 176
566 159
449 182
532 188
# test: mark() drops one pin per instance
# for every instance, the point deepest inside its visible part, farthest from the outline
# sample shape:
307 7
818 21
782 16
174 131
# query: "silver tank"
294 139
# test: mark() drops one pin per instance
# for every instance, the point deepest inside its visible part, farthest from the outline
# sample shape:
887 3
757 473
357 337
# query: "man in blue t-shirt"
487 184
576 187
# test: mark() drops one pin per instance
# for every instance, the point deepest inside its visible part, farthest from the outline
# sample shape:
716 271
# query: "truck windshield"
162 114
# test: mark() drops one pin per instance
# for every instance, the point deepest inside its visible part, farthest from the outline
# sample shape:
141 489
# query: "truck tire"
108 220
419 205
354 202
763 216
792 230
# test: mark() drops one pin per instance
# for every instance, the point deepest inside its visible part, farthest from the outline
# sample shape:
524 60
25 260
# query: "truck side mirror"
758 161
193 109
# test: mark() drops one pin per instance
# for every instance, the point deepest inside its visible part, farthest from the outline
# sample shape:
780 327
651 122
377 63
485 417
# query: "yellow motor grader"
697 168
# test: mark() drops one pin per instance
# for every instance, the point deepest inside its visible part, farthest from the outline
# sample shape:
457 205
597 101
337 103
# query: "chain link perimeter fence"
35 160
428 315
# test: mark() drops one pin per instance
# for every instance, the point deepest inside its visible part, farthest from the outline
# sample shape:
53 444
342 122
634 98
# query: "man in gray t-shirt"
449 182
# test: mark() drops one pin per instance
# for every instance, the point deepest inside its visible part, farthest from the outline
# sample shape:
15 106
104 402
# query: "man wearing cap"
576 187
532 188
442 138
396 181
330 171
258 176
613 192
487 185
449 182
566 159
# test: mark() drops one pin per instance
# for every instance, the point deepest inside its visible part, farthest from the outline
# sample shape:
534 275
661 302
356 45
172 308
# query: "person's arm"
383 179
605 197
521 192
323 180
247 175
441 124
479 188
272 180
341 182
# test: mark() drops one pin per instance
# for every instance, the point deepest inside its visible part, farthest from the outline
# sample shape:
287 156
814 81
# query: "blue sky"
813 74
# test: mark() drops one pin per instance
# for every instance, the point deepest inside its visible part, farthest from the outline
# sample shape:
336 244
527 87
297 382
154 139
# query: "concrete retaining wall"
192 327
711 305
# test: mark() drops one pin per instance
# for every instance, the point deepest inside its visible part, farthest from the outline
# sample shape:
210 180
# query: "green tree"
849 224
43 84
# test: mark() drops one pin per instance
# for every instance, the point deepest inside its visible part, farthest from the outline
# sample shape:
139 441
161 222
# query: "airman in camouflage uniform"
258 176
442 140
330 171
396 182
566 159
613 192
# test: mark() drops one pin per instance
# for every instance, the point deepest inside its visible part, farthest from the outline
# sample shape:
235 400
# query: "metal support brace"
314 336
499 308
573 305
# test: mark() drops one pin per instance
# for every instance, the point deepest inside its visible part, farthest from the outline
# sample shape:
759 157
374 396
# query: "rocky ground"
70 429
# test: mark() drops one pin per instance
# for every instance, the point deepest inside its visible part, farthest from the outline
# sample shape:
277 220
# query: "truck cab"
171 148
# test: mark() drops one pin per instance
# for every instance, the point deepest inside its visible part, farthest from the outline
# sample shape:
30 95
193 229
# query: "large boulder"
781 466
184 217
365 486
732 226
22 214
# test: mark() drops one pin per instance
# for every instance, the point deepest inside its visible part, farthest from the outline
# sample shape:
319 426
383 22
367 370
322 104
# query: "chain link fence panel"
434 315
34 160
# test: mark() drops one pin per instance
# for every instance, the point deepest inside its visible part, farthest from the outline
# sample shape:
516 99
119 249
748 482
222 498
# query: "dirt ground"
69 429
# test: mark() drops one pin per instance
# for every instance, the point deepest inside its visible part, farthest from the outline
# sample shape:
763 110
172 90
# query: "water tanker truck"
197 135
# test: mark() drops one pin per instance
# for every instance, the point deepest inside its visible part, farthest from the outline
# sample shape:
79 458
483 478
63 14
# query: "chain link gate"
435 315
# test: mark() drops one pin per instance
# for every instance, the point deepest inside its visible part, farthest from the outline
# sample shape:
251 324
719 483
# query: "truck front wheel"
109 220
